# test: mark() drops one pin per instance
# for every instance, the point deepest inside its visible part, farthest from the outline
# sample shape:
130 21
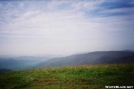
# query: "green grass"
75 77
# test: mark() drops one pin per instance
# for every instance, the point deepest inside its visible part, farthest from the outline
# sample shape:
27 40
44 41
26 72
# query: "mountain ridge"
98 57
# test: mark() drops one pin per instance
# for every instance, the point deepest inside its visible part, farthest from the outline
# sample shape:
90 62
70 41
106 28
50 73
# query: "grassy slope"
77 77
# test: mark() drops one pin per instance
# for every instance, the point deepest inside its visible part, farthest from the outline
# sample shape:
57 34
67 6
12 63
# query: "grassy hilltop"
73 77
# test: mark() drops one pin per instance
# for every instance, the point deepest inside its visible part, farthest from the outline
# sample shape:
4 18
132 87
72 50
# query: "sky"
64 27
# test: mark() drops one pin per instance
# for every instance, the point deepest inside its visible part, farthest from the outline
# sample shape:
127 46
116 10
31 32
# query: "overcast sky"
64 27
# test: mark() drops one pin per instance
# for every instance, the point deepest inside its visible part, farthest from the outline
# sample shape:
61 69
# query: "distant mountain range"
20 63
98 57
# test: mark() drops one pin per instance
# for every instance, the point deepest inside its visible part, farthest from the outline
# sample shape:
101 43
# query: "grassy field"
75 77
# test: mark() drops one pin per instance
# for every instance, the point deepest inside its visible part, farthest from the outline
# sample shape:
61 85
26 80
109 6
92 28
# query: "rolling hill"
100 57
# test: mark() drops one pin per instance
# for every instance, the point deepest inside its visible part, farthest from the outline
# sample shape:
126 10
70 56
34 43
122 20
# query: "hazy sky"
63 27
